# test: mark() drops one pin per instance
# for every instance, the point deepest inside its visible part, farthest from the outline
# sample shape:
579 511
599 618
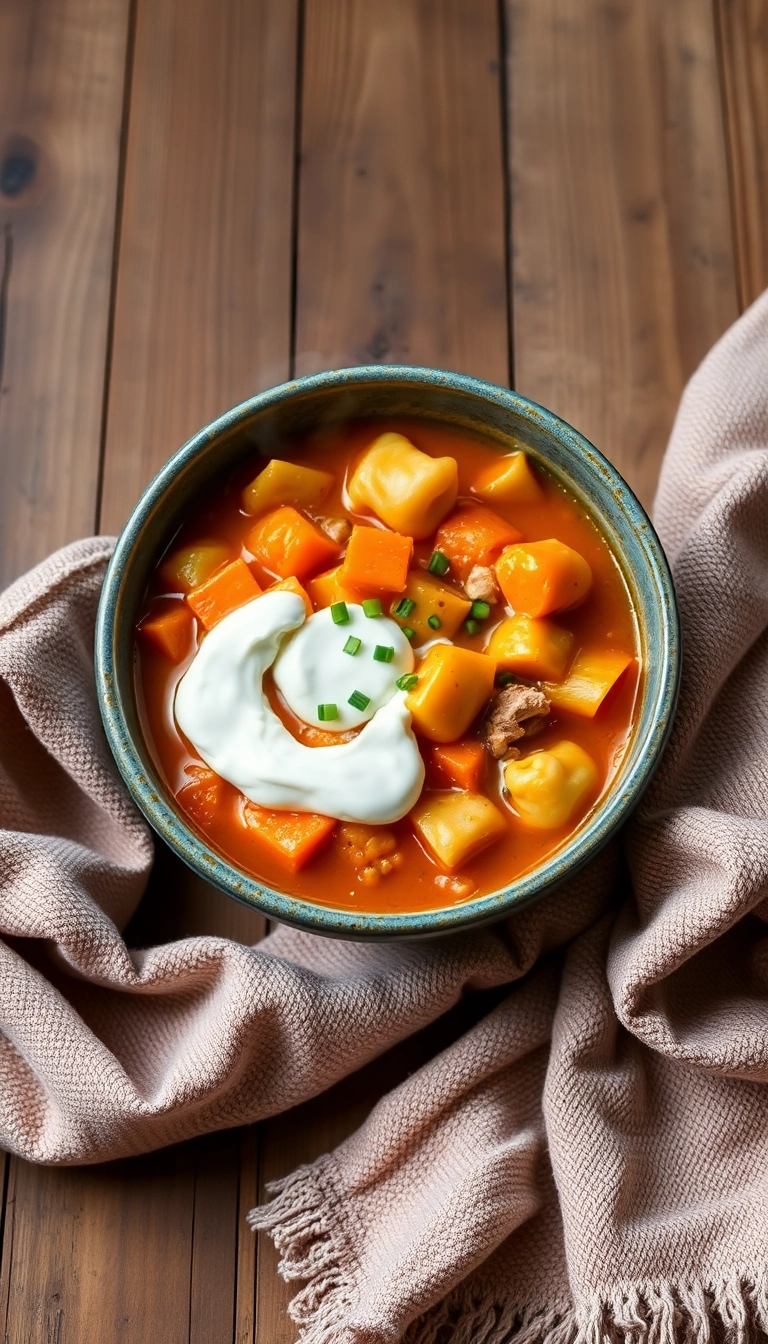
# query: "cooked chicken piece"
481 585
514 713
338 529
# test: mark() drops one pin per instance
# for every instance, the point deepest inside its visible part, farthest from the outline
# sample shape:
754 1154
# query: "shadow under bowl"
260 427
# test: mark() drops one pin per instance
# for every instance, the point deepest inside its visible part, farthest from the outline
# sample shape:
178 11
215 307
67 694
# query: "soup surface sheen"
497 797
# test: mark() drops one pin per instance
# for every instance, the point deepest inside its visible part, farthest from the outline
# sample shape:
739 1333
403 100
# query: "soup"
390 670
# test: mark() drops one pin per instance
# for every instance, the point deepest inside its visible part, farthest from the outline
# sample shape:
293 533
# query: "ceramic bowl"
259 426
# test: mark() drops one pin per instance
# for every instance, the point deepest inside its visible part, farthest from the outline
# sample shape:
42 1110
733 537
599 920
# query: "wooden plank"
61 91
401 254
401 257
203 299
623 272
743 33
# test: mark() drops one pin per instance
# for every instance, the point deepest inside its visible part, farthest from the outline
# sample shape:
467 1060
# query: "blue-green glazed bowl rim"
473 405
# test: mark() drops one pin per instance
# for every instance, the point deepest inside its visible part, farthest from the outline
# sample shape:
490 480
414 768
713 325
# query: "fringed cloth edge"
306 1225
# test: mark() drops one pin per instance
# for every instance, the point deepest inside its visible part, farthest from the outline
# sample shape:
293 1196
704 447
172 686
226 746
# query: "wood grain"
61 94
203 297
743 32
401 248
623 272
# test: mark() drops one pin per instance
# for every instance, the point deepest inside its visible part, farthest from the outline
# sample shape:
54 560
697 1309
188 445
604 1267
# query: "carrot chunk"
474 536
201 797
327 588
291 837
461 764
543 576
288 544
170 631
292 585
376 559
224 592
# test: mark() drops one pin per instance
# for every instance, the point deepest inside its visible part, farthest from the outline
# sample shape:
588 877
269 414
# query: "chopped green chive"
408 632
352 645
479 611
326 713
434 622
407 681
471 626
438 563
339 613
359 701
372 606
404 607
504 679
384 653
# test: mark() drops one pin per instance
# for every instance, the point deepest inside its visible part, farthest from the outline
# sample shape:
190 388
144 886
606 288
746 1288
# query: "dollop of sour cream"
221 708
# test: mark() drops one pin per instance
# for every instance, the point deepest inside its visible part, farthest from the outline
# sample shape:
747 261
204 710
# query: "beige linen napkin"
590 1161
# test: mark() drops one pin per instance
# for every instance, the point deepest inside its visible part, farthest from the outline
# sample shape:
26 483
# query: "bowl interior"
260 427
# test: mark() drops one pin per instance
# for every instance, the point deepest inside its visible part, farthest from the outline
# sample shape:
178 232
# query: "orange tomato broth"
605 619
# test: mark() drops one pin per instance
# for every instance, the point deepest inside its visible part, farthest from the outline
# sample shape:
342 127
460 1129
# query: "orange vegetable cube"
190 566
376 560
286 544
291 837
461 764
327 588
202 797
409 490
457 826
292 585
593 673
474 536
511 480
454 685
171 631
540 577
286 483
225 591
532 647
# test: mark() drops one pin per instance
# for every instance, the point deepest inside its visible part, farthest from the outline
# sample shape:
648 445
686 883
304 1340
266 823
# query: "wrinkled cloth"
590 1161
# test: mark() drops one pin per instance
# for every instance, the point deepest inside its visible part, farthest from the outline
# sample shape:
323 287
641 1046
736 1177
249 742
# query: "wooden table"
199 198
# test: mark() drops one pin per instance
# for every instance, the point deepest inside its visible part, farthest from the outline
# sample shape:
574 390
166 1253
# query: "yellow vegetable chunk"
286 483
327 588
512 480
532 647
547 786
434 599
453 686
409 490
192 565
455 826
591 677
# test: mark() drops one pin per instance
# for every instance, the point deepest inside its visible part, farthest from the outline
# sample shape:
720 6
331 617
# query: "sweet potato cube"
225 591
454 685
292 585
531 647
190 566
327 588
593 673
511 480
409 490
292 838
286 544
457 826
201 798
548 786
286 483
473 536
540 577
434 600
461 765
170 631
376 560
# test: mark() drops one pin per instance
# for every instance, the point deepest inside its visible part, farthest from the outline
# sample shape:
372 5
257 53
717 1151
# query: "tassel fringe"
307 1228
